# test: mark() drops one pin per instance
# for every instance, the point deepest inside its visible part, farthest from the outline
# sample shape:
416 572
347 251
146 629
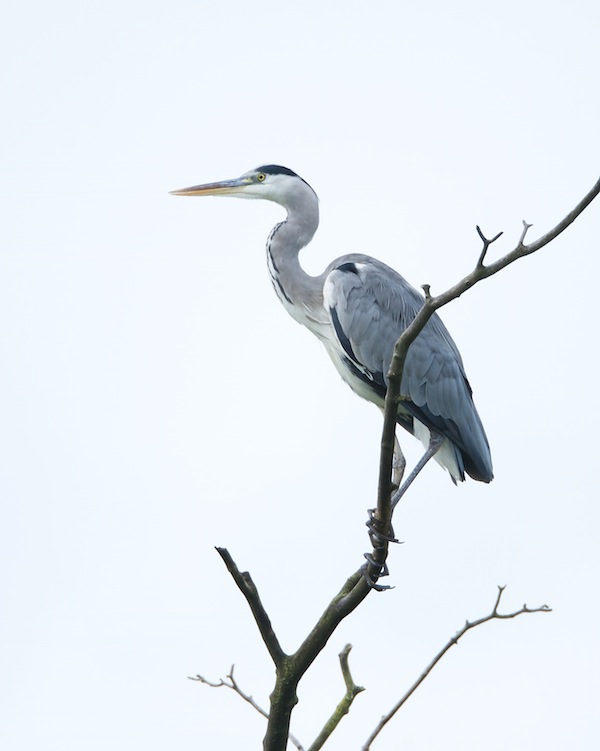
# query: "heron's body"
358 307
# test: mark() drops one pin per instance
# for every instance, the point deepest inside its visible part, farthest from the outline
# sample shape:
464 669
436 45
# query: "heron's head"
270 182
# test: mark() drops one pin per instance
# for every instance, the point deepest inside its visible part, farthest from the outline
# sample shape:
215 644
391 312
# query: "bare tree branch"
248 589
454 640
342 709
291 668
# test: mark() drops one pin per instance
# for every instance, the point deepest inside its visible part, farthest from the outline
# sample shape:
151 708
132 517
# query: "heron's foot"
377 537
371 580
383 567
376 567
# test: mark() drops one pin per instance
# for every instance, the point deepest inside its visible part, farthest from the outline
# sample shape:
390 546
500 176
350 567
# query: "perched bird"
358 307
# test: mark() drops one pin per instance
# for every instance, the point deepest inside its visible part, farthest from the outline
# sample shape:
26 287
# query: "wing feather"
370 306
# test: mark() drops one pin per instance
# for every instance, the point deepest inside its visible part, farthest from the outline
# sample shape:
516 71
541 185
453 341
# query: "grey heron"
358 308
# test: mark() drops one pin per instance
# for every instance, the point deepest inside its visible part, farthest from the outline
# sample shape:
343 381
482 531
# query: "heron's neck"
300 293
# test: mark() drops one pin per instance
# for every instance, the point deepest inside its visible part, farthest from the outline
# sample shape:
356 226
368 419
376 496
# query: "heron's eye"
260 177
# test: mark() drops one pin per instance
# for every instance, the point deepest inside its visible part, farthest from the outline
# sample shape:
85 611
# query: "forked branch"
431 303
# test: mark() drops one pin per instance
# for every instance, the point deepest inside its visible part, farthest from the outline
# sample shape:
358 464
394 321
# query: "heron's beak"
224 187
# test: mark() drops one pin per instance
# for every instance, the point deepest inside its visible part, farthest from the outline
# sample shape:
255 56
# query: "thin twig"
231 683
454 640
234 686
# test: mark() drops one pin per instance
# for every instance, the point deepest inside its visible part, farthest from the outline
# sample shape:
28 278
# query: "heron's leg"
398 463
435 441
378 538
398 466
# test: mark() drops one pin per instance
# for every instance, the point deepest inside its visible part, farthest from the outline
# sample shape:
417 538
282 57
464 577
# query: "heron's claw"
378 538
383 567
371 582
379 541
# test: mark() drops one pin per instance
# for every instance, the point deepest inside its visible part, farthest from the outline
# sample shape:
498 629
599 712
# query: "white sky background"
156 400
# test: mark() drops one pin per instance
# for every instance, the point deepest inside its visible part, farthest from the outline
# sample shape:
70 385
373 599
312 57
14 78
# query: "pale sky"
156 400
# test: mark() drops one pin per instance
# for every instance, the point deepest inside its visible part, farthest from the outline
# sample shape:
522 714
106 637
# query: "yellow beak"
215 189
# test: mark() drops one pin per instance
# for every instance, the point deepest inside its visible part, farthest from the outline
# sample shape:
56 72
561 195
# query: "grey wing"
370 306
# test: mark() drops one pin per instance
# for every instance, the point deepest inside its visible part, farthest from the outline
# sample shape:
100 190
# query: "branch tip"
526 227
451 642
486 244
248 588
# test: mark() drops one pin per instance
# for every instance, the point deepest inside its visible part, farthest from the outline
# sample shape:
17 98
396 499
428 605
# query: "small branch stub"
486 244
526 228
